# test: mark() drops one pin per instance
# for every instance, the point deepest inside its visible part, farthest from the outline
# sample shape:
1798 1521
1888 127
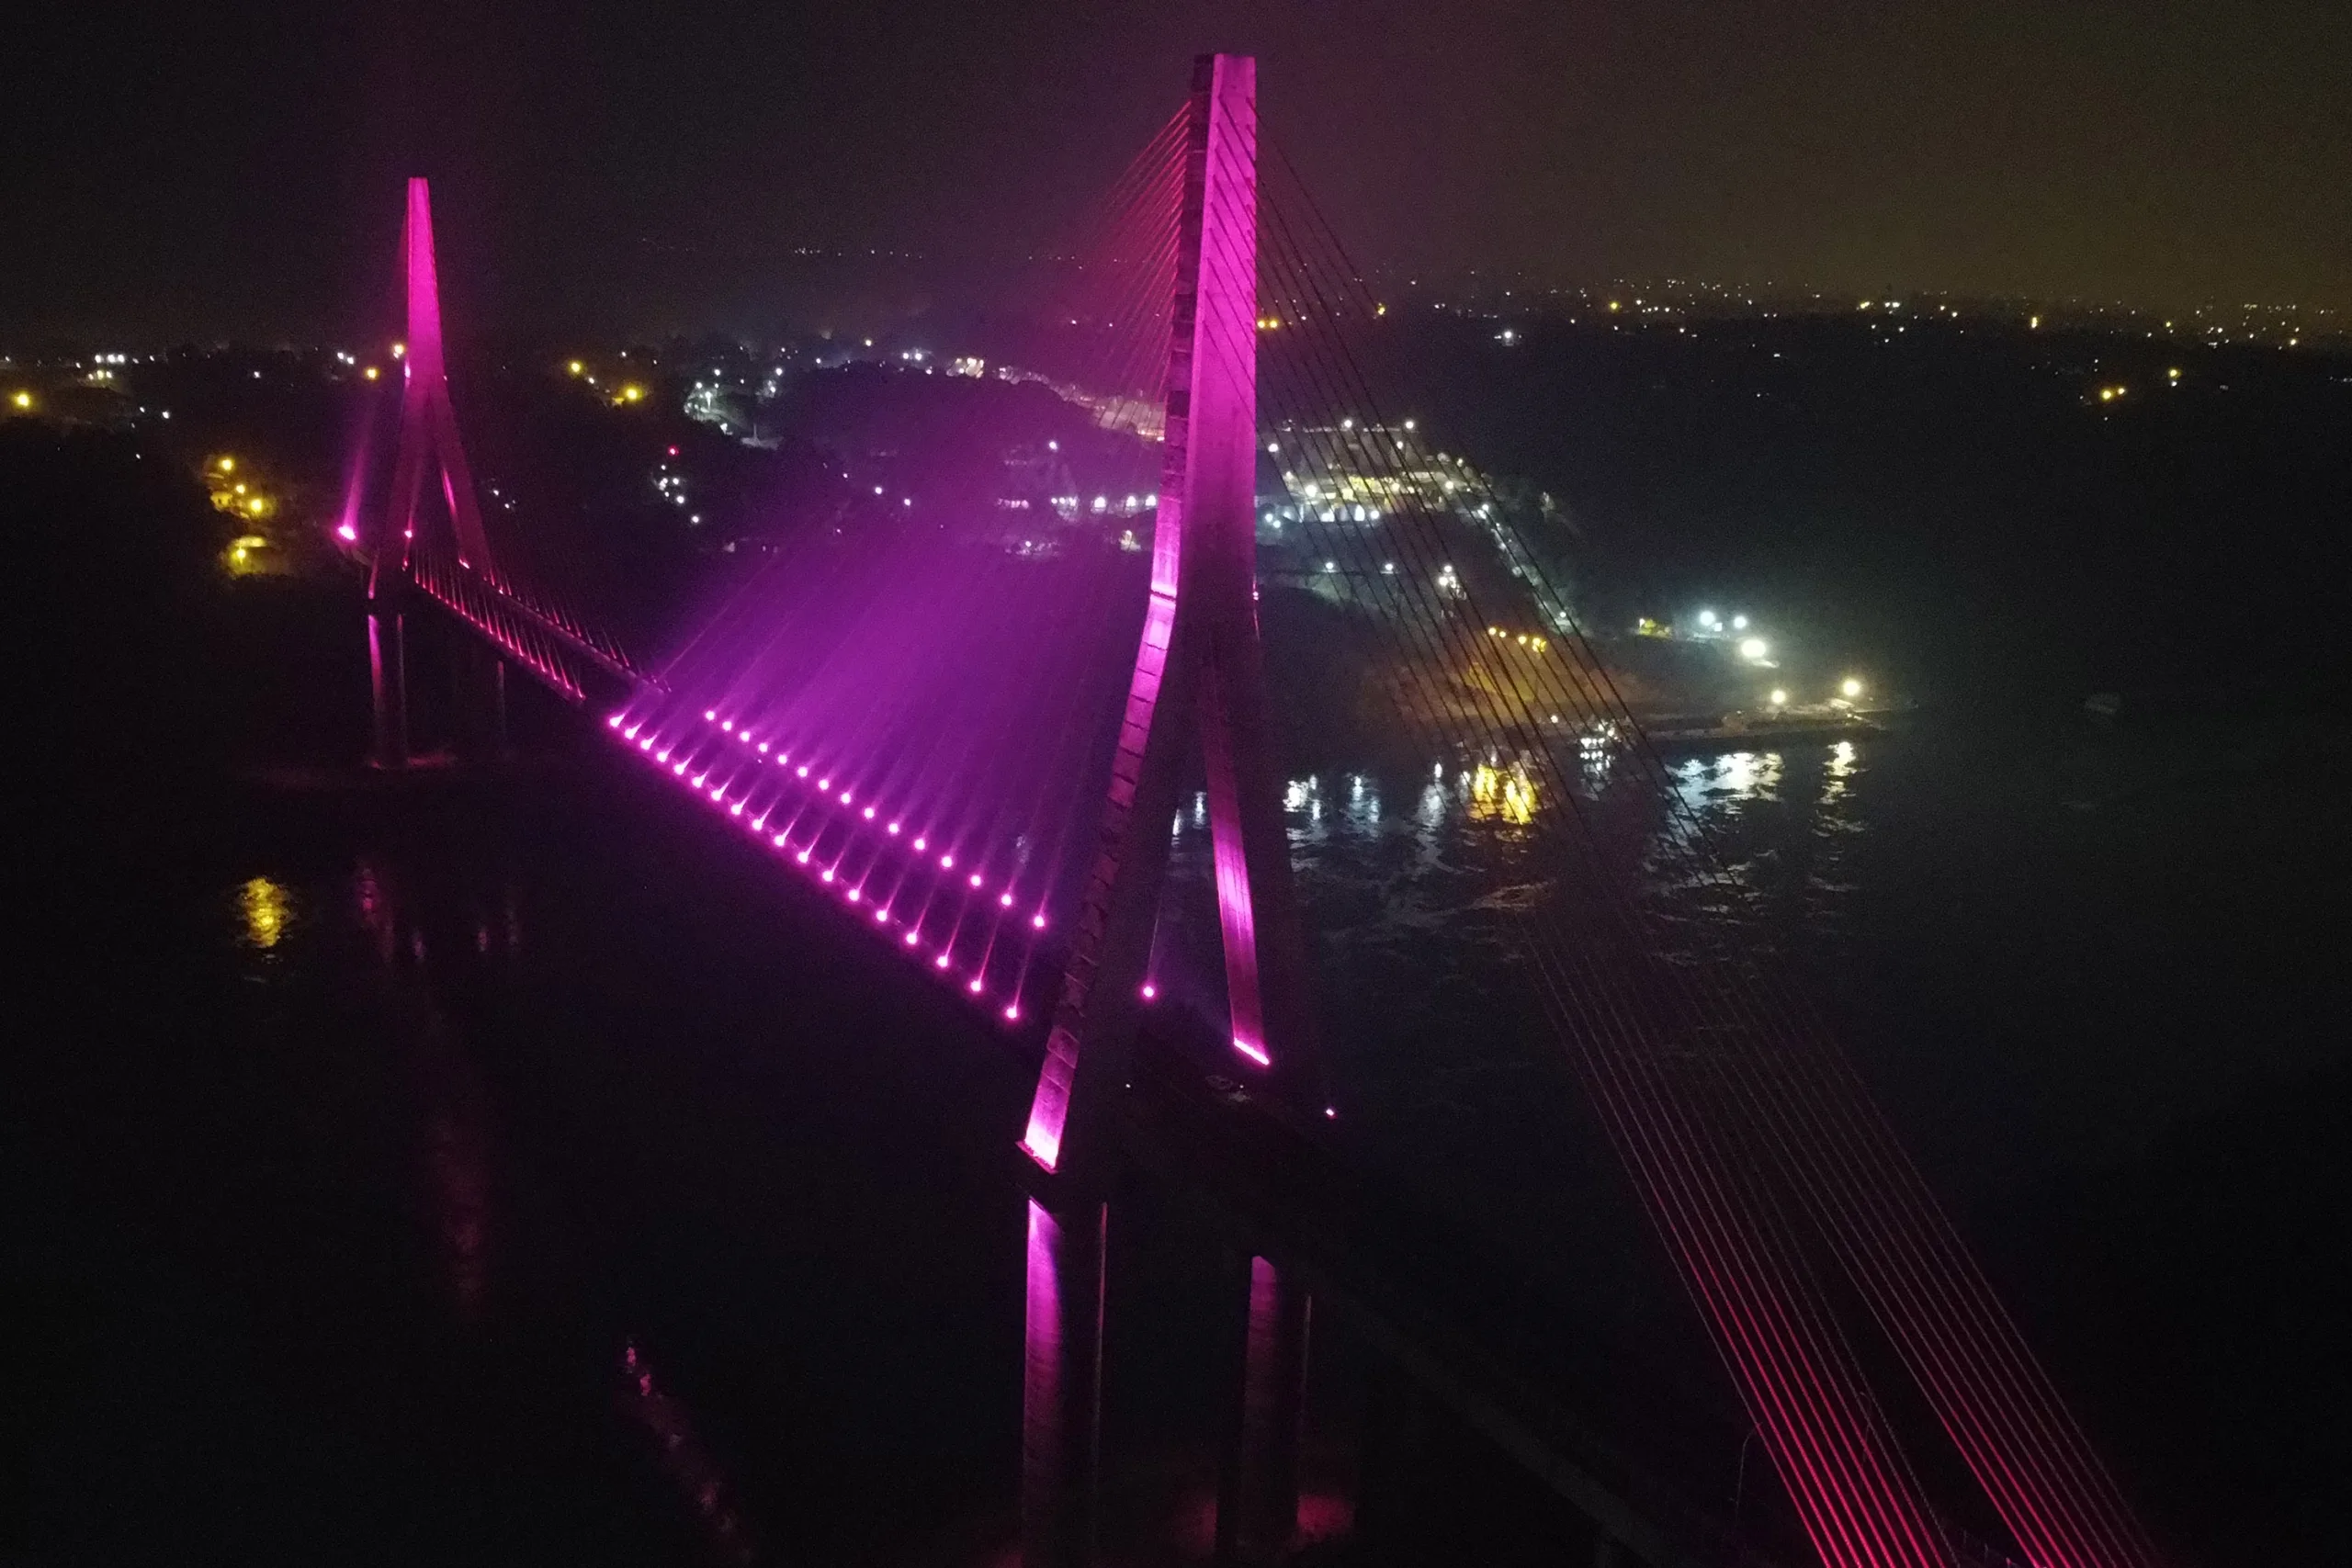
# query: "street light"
1754 649
1851 687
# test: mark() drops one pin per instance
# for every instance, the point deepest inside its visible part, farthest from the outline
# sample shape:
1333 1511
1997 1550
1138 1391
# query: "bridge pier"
1061 1388
478 718
1257 1503
387 682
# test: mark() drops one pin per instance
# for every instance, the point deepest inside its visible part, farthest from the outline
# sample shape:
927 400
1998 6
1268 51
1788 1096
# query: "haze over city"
189 175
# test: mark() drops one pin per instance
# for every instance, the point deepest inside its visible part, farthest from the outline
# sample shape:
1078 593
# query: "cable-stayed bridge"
972 736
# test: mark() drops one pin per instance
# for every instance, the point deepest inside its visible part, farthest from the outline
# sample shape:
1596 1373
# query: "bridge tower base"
1257 1500
388 682
1061 1385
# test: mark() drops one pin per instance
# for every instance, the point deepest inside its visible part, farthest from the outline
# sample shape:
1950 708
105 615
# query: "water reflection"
682 1457
267 908
1410 908
456 1126
1836 776
1733 778
1499 795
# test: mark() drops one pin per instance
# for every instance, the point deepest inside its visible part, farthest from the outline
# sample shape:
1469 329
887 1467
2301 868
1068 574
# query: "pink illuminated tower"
428 439
1198 674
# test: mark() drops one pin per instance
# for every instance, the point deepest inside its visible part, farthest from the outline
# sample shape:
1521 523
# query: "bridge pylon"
428 440
1198 676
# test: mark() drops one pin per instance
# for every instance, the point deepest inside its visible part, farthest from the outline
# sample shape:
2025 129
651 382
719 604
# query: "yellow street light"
228 465
370 373
1851 687
1779 699
398 349
22 400
575 367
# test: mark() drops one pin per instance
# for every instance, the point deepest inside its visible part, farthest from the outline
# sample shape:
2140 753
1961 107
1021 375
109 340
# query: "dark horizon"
615 172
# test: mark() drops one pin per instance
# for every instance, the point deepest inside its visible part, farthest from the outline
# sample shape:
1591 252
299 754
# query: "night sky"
193 172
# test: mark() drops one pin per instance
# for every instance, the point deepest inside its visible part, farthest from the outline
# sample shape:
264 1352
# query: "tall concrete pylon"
1199 661
428 438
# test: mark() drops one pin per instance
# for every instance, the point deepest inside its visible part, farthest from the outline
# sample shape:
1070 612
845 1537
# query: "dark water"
519 1171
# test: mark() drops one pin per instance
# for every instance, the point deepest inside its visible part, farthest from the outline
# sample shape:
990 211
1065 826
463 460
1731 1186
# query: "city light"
23 400
371 372
576 367
1779 699
1850 687
1754 649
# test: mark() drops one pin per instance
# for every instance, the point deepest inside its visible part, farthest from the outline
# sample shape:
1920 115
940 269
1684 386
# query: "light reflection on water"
268 909
1778 818
1407 882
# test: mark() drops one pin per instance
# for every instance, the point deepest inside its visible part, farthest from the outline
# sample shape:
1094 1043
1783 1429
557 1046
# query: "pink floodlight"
976 879
710 713
1004 898
921 846
854 893
1038 919
975 986
347 534
869 813
1150 990
892 830
947 863
826 874
1253 1050
914 937
1013 1013
941 962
